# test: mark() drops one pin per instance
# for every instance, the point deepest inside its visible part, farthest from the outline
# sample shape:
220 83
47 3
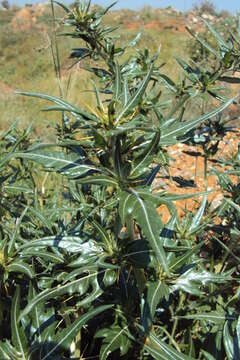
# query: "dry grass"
26 60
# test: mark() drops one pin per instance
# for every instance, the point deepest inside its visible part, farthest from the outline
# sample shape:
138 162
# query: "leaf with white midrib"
15 325
154 353
58 161
207 317
13 239
186 256
70 332
43 219
140 91
198 216
59 101
53 257
186 126
154 296
107 349
218 37
70 243
50 293
203 42
3 352
124 203
101 231
126 93
117 89
125 206
98 180
20 188
146 154
147 227
20 266
153 303
168 352
36 313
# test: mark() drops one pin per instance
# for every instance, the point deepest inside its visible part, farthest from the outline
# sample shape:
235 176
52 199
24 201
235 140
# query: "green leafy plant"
96 273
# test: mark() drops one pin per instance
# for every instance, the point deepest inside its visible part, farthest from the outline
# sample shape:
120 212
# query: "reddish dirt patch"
5 89
26 18
133 26
152 25
190 170
166 24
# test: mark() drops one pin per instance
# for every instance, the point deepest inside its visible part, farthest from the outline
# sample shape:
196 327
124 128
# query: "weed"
88 267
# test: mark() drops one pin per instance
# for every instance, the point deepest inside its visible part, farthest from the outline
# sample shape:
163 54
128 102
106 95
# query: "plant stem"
205 171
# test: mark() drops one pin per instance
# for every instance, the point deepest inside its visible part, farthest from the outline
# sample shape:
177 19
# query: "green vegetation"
88 268
26 61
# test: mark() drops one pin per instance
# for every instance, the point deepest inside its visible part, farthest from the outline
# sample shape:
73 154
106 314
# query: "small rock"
208 17
216 202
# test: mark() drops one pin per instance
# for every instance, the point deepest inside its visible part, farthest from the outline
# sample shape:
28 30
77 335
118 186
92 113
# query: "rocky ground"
28 17
187 174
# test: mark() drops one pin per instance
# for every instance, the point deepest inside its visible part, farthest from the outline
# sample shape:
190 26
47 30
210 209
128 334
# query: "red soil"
191 168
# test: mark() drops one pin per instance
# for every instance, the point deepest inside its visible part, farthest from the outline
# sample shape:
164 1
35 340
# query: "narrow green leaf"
68 334
220 40
18 337
72 244
115 338
148 219
134 41
176 197
98 180
189 281
170 134
203 43
118 82
14 189
212 317
142 160
191 73
159 350
99 102
109 7
65 106
230 80
168 83
137 96
69 288
101 231
62 6
198 216
233 204
41 217
20 266
4 353
126 93
185 258
118 164
238 331
11 244
37 314
228 340
156 291
70 165
126 205
207 355
46 255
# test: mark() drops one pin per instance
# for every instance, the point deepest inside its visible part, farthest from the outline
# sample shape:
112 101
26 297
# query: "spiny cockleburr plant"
106 277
